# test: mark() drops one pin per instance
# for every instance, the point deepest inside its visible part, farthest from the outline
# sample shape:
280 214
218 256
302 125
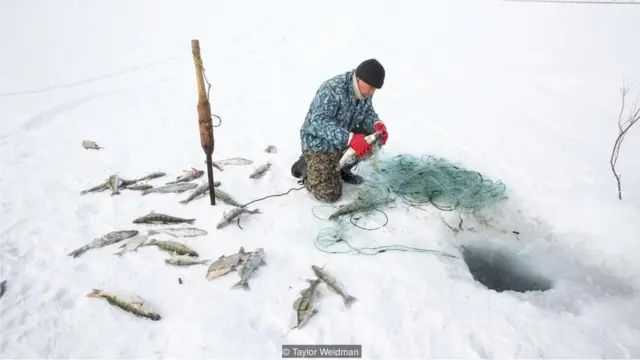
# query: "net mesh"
415 181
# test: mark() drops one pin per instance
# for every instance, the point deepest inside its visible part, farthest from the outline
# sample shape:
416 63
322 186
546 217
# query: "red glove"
359 145
379 126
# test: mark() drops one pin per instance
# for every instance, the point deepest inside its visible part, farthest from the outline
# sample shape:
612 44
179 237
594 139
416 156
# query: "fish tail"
95 293
349 300
242 283
79 251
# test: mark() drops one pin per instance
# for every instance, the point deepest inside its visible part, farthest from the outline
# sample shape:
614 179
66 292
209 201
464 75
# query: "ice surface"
527 93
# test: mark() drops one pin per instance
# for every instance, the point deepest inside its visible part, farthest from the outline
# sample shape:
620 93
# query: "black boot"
299 168
349 177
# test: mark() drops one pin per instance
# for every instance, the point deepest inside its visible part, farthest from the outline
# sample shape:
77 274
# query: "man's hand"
359 145
379 126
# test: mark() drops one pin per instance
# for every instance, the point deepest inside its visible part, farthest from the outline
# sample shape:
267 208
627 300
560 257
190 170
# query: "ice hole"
500 271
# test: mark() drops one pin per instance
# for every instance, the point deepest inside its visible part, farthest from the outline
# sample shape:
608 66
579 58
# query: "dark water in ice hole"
502 272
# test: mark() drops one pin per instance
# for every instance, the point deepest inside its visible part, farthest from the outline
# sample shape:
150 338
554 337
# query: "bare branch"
623 126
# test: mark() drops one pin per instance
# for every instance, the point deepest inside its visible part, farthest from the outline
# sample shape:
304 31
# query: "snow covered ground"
527 93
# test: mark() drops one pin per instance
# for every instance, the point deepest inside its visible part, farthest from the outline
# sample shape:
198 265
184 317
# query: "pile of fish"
245 263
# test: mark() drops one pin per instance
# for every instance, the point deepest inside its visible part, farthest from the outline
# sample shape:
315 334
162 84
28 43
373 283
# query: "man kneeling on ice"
340 116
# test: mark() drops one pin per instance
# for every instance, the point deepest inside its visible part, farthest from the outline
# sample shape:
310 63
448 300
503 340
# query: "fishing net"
415 181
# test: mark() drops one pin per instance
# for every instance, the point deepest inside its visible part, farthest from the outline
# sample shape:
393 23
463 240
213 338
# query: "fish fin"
79 251
190 221
242 283
263 262
95 293
119 253
241 251
205 262
183 201
349 300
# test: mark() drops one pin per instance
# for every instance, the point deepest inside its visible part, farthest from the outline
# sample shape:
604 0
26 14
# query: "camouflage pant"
322 179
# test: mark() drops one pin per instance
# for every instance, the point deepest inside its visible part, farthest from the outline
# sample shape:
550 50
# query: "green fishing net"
426 179
415 180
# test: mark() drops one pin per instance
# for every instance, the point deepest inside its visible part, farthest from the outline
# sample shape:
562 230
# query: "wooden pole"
204 117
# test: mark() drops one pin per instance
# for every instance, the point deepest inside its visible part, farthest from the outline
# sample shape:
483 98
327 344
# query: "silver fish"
226 264
172 247
187 176
185 260
349 156
97 188
260 171
132 245
226 198
234 161
174 188
160 218
114 184
134 305
363 202
178 232
201 190
249 267
333 284
271 149
139 187
151 176
91 145
230 215
105 240
304 305
3 287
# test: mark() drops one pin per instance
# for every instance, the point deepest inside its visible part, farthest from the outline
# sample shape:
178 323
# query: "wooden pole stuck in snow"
204 117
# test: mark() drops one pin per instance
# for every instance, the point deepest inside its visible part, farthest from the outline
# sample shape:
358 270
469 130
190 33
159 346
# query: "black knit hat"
371 72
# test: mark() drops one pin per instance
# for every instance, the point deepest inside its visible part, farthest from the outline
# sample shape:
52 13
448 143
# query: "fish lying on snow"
234 161
201 190
178 231
226 264
229 216
333 285
172 247
132 244
3 287
187 176
226 198
185 260
97 188
91 145
349 156
160 218
140 187
304 305
174 188
249 267
260 171
365 201
134 305
105 240
150 176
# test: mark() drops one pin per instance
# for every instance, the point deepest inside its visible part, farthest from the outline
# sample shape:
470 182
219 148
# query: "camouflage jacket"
334 112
